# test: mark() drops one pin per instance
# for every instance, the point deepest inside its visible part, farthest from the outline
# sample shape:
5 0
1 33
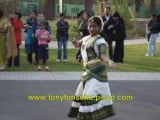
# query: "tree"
8 6
88 5
49 9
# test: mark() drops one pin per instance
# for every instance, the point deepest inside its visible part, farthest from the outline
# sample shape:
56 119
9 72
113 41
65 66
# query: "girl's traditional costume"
91 94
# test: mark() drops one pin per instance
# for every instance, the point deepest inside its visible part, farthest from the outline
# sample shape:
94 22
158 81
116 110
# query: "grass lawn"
135 61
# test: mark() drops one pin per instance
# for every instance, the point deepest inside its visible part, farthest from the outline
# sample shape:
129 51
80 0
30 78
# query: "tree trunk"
153 6
138 4
49 9
88 5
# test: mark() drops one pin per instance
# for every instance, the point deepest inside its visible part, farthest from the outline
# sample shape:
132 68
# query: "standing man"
154 29
62 37
149 25
108 33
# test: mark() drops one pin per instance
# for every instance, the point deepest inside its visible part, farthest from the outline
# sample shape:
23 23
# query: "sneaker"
58 61
47 68
153 54
39 68
147 54
65 60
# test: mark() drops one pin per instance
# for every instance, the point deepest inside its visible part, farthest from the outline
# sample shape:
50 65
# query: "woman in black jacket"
120 35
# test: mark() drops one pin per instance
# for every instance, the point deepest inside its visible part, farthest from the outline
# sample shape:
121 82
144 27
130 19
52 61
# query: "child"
44 38
94 79
42 18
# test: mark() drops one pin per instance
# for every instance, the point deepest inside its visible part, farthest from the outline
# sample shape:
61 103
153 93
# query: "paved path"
120 76
53 44
14 103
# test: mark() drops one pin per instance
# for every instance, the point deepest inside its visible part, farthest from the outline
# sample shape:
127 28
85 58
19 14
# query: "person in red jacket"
17 24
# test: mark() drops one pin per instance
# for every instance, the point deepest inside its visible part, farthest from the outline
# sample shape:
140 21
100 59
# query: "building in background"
50 7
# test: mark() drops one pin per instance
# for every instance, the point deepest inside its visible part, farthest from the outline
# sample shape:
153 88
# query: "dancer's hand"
112 65
75 43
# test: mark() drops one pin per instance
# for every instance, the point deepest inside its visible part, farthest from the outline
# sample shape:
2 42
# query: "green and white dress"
94 85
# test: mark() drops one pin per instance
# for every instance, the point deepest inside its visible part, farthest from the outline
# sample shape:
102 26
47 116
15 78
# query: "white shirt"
84 43
107 17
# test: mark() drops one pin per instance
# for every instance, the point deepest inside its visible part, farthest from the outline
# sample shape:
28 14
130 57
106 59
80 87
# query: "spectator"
17 24
3 33
43 37
31 43
108 31
62 37
154 29
149 24
120 35
80 17
42 18
83 29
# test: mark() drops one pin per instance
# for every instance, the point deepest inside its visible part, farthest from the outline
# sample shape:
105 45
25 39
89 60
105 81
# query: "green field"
135 61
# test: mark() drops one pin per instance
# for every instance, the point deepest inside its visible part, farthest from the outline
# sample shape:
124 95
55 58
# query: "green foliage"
144 11
147 3
73 30
8 5
97 8
122 7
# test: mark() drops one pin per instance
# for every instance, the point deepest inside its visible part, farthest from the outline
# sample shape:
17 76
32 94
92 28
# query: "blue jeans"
62 41
152 44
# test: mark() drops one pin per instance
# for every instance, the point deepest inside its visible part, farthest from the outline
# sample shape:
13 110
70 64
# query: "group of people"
153 29
10 39
37 37
113 30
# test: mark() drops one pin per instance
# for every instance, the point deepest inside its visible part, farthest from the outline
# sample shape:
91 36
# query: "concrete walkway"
119 76
53 44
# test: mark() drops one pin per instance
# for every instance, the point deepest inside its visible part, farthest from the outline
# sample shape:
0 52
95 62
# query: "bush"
144 11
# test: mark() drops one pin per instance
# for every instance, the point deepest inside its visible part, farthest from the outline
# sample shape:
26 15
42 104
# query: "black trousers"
29 55
110 47
36 52
29 58
15 60
119 50
78 55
